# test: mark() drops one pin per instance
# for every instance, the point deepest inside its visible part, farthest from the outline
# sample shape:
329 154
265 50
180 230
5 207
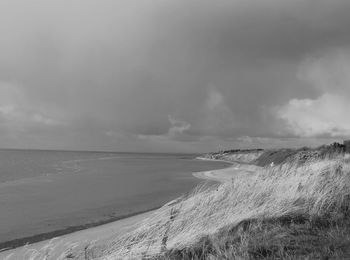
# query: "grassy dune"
287 212
305 215
290 211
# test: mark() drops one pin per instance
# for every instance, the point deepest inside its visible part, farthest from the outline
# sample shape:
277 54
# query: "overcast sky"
173 75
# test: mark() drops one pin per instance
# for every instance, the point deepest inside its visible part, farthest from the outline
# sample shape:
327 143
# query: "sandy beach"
79 238
101 233
227 174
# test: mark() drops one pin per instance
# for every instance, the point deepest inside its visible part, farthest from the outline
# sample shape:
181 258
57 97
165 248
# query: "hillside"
242 156
263 157
303 155
288 211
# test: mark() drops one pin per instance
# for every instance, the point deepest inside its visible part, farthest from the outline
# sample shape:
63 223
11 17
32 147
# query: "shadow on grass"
289 237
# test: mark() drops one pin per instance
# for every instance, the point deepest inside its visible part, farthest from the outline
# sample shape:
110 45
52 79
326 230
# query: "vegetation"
262 157
303 155
275 238
284 212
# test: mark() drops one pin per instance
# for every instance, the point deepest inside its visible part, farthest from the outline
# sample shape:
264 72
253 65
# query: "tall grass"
56 248
318 189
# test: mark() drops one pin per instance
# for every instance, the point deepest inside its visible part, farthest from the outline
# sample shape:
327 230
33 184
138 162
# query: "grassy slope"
276 156
302 155
262 157
285 212
317 225
274 238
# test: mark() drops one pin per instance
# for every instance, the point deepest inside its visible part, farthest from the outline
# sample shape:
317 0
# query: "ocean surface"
46 191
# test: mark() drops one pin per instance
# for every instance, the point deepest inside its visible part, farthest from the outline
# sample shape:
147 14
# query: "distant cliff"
303 155
263 157
237 155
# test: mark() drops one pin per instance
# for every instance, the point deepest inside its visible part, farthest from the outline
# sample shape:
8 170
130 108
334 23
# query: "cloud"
216 116
16 114
177 126
326 115
176 132
328 71
88 72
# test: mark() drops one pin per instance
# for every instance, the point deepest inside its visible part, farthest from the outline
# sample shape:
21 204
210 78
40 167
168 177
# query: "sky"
173 75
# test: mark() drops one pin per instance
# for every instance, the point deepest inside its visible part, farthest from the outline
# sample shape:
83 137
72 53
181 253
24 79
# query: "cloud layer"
173 75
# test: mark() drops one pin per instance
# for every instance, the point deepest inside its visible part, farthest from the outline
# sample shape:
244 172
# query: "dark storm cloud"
162 75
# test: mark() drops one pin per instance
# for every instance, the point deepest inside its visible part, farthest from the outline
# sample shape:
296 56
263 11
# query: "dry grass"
56 249
316 190
276 238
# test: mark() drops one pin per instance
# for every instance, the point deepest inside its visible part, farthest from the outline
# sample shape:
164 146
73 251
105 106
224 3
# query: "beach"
225 175
80 238
103 233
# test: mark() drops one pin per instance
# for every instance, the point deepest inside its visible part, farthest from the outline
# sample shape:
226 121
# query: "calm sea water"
44 191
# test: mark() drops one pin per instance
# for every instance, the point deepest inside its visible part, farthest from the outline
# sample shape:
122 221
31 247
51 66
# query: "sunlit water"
44 191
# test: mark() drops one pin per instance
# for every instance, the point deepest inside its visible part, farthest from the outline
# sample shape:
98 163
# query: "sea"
44 194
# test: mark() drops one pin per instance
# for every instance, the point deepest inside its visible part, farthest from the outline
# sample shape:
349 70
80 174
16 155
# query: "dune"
258 213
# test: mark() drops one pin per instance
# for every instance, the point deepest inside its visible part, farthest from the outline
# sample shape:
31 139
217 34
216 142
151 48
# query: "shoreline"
19 242
225 175
233 162
76 240
214 160
120 223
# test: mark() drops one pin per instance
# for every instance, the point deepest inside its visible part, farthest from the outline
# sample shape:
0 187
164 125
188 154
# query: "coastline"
81 238
20 242
226 174
105 229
